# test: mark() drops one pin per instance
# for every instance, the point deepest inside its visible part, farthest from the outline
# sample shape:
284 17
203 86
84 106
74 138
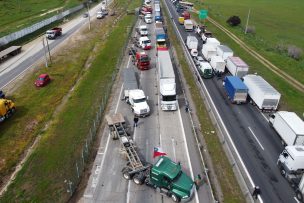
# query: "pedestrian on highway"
187 107
135 121
198 181
256 192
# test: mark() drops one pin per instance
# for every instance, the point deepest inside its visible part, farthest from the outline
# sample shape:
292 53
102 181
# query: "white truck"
208 51
289 126
144 43
143 30
188 25
148 18
212 42
192 44
224 51
134 96
291 165
167 83
217 64
262 93
236 66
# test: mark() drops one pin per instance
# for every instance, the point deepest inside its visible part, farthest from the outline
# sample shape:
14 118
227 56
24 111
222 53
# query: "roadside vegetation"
275 29
223 169
90 58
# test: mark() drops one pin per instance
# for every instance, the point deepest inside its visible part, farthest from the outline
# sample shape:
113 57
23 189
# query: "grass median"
223 170
42 176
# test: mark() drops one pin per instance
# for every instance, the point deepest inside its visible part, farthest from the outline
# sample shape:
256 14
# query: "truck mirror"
147 98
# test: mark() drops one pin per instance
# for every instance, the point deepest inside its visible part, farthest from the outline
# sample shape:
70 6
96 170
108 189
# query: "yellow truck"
7 109
181 20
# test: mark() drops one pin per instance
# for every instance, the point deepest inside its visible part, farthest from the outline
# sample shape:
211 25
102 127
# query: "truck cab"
144 43
205 70
168 177
148 18
142 60
7 108
143 30
53 33
138 102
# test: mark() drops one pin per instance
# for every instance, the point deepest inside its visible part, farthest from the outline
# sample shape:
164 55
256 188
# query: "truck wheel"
126 174
175 198
299 195
138 179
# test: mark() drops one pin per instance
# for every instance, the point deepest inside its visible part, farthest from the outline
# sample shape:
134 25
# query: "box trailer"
188 25
236 66
262 93
289 126
213 42
192 42
224 51
208 51
218 64
236 90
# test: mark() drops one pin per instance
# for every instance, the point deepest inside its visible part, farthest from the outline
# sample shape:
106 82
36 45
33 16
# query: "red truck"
53 33
142 60
186 15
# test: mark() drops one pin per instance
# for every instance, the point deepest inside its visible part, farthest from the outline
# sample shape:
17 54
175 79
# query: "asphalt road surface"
170 130
33 51
258 145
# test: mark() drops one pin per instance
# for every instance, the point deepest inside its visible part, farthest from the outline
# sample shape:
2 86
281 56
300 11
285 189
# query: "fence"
28 30
80 163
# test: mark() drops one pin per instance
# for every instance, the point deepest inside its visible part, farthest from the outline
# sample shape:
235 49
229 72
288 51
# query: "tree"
234 21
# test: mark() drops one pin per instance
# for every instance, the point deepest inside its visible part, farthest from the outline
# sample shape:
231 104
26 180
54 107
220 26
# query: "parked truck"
7 109
211 41
205 70
144 43
142 30
206 35
165 176
208 51
167 83
192 44
141 60
9 52
133 95
236 66
54 33
224 51
217 64
236 90
186 15
289 126
160 38
261 93
188 24
291 165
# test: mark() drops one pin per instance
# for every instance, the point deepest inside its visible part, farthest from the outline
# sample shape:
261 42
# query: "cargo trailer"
218 64
236 66
236 90
224 51
208 51
213 42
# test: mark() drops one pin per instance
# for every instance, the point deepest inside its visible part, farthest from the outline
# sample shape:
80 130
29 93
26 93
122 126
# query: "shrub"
294 52
250 29
234 21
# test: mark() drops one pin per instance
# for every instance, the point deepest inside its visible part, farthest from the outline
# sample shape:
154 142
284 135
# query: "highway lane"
33 51
164 129
257 143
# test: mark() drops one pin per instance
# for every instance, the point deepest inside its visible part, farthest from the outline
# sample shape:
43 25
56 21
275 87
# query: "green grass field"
277 22
18 14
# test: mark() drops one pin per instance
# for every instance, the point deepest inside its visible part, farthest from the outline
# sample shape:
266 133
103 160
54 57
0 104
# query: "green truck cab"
167 177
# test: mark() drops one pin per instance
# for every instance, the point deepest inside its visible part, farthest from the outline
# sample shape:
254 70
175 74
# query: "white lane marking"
186 146
174 153
256 138
296 200
264 116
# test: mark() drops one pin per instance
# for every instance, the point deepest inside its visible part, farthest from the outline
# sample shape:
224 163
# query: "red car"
43 80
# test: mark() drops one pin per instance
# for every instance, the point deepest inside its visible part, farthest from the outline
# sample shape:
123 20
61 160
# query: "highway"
258 145
32 53
170 130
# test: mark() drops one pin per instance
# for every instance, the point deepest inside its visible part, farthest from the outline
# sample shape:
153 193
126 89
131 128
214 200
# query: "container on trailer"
236 66
218 64
236 90
262 93
224 51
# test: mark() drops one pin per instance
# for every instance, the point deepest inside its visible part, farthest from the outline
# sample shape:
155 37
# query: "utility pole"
48 47
46 62
247 22
89 15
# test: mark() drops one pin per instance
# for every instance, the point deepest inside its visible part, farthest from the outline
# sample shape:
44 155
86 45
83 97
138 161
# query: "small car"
2 95
198 59
42 80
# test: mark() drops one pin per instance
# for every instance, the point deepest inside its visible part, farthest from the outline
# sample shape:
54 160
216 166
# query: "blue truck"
158 16
160 38
236 90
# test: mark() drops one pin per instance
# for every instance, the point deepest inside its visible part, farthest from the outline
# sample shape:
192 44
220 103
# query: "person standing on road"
198 181
256 192
135 121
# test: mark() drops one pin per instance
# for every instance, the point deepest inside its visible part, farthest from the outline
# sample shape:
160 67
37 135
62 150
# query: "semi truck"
142 30
208 51
167 83
192 44
261 93
144 43
186 15
165 176
236 90
158 17
160 38
291 166
9 52
54 33
141 60
236 66
224 51
205 70
289 126
188 24
211 41
218 64
7 109
133 95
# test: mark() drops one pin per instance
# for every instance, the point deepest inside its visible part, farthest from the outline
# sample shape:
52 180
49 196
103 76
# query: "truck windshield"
139 100
208 71
143 29
169 98
147 41
49 32
161 43
144 59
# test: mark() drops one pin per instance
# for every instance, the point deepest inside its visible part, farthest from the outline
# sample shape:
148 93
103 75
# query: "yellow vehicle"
181 20
7 108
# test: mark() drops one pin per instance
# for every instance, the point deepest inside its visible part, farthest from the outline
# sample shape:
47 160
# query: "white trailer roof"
294 121
165 65
212 40
296 151
237 61
224 48
188 21
216 59
261 84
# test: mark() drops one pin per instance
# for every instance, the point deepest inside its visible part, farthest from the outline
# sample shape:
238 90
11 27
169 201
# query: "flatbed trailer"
11 51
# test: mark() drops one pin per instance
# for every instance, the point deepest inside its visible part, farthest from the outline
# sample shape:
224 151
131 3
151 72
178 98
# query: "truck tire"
299 195
126 174
138 179
175 198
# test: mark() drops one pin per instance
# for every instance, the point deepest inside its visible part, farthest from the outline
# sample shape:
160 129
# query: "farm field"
17 14
278 24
